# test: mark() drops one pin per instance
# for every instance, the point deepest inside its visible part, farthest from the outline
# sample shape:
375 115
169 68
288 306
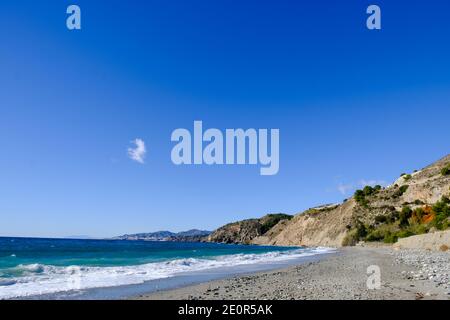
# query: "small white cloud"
344 188
372 183
138 152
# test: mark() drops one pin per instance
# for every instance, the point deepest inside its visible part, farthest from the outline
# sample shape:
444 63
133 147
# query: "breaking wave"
39 279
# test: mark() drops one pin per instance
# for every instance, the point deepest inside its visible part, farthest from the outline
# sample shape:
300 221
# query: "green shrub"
381 219
351 238
368 190
390 238
445 200
361 231
404 216
271 220
405 233
360 198
375 235
419 213
393 216
446 170
442 212
400 191
385 233
355 234
360 195
403 189
417 229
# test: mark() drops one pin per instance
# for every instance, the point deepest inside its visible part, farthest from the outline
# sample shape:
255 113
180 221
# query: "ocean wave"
31 268
7 282
39 279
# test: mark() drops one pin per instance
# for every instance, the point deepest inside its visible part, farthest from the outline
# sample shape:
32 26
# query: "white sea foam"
45 279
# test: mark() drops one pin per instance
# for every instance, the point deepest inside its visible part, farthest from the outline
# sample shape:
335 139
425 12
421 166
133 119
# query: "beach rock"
430 241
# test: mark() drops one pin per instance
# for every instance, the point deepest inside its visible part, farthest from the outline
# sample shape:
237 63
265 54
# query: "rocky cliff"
247 230
414 204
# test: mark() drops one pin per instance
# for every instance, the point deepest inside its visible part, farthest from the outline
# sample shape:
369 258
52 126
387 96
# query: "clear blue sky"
352 105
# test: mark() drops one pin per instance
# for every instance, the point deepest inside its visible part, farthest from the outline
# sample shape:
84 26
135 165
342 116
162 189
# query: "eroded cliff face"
325 226
237 232
331 225
243 232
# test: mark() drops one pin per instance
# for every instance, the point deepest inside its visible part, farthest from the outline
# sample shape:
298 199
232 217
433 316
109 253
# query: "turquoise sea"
32 267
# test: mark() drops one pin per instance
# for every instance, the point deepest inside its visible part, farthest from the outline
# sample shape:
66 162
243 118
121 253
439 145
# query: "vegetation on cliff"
414 204
246 230
401 224
360 195
446 170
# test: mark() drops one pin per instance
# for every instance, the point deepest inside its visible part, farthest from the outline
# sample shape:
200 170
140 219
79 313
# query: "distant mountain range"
190 235
80 237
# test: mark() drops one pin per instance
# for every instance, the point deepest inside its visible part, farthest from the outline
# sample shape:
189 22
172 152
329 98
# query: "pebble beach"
404 274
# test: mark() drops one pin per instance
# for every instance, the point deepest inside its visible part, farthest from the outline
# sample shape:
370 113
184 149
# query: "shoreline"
180 279
405 275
